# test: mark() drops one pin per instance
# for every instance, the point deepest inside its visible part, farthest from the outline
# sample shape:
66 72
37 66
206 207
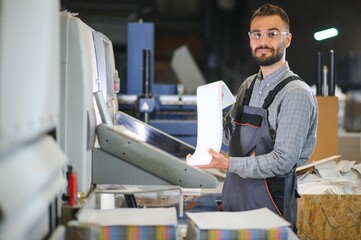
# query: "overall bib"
254 136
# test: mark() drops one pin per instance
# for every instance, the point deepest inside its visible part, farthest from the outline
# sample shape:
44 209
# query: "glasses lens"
255 35
272 34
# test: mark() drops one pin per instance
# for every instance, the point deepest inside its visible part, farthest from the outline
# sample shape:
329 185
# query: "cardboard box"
353 113
327 139
329 217
349 146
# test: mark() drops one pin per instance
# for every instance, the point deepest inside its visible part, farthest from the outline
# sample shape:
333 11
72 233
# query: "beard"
277 55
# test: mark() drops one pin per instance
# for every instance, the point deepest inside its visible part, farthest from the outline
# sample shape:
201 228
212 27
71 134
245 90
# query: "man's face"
269 39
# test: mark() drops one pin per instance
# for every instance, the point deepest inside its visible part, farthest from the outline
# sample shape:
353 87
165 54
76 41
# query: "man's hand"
218 160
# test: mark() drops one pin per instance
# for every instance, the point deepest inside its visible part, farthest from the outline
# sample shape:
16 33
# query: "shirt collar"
277 75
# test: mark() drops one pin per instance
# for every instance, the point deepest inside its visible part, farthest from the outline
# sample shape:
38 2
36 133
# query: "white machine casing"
31 161
87 66
78 76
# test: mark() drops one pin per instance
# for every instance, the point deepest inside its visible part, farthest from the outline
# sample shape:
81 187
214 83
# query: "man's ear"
288 40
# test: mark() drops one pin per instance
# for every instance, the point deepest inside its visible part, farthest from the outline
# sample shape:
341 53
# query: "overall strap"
248 93
272 94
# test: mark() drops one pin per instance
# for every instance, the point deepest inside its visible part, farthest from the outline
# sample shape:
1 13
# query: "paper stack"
133 223
255 224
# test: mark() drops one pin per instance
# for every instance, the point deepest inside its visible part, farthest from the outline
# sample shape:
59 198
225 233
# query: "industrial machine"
31 160
59 109
115 150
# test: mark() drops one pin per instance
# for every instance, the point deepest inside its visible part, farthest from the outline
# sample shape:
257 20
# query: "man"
268 137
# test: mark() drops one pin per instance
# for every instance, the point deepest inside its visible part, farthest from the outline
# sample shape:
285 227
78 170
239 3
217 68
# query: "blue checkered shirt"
293 115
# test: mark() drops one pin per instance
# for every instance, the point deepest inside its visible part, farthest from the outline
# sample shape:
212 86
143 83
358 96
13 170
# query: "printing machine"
59 108
107 147
119 154
116 148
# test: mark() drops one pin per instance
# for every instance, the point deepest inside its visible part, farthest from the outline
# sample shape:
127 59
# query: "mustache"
263 47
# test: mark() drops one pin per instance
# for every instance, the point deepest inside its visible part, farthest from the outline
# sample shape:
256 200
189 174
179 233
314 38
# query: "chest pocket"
247 119
252 134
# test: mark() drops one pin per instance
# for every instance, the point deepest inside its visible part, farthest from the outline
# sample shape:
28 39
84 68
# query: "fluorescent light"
324 34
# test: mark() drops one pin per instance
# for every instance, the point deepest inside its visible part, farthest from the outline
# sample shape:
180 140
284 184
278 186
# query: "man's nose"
263 40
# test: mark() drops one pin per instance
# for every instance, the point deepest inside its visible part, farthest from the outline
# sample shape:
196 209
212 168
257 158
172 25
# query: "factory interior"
99 109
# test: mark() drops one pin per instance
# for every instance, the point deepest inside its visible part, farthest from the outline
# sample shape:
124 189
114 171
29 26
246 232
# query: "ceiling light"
324 34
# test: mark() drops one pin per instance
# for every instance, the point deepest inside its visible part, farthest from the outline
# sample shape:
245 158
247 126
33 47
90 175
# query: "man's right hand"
218 160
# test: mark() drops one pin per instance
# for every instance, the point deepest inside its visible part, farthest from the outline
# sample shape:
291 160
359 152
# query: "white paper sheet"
130 216
262 218
345 165
328 170
212 98
357 167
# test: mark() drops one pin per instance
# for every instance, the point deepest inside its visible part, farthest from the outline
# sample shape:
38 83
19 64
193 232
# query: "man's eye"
272 34
257 35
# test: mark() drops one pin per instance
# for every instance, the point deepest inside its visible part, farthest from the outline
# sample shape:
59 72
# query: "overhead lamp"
324 34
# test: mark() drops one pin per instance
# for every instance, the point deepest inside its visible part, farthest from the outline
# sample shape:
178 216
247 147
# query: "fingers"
202 166
213 153
218 160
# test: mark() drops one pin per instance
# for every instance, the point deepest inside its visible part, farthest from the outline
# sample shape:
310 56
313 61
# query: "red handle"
72 189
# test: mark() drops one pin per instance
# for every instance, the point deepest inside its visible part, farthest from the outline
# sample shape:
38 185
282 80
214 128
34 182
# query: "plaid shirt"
293 115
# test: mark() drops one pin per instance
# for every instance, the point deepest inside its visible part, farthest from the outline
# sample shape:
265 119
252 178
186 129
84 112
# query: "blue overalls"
254 136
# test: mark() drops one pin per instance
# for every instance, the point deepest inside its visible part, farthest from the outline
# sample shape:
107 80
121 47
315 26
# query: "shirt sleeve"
294 117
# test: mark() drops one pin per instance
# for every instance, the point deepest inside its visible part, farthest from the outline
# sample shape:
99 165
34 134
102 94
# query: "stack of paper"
255 224
133 223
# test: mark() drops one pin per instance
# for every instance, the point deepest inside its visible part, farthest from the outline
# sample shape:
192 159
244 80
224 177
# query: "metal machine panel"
129 146
29 70
108 169
77 115
107 74
154 136
31 165
30 179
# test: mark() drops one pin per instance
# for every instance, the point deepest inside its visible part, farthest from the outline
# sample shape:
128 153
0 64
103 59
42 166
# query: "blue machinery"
168 107
155 104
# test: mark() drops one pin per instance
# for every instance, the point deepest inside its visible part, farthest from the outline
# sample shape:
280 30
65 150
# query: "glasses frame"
265 34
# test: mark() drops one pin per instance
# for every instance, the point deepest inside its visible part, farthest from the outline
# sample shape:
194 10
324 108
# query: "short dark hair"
269 10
